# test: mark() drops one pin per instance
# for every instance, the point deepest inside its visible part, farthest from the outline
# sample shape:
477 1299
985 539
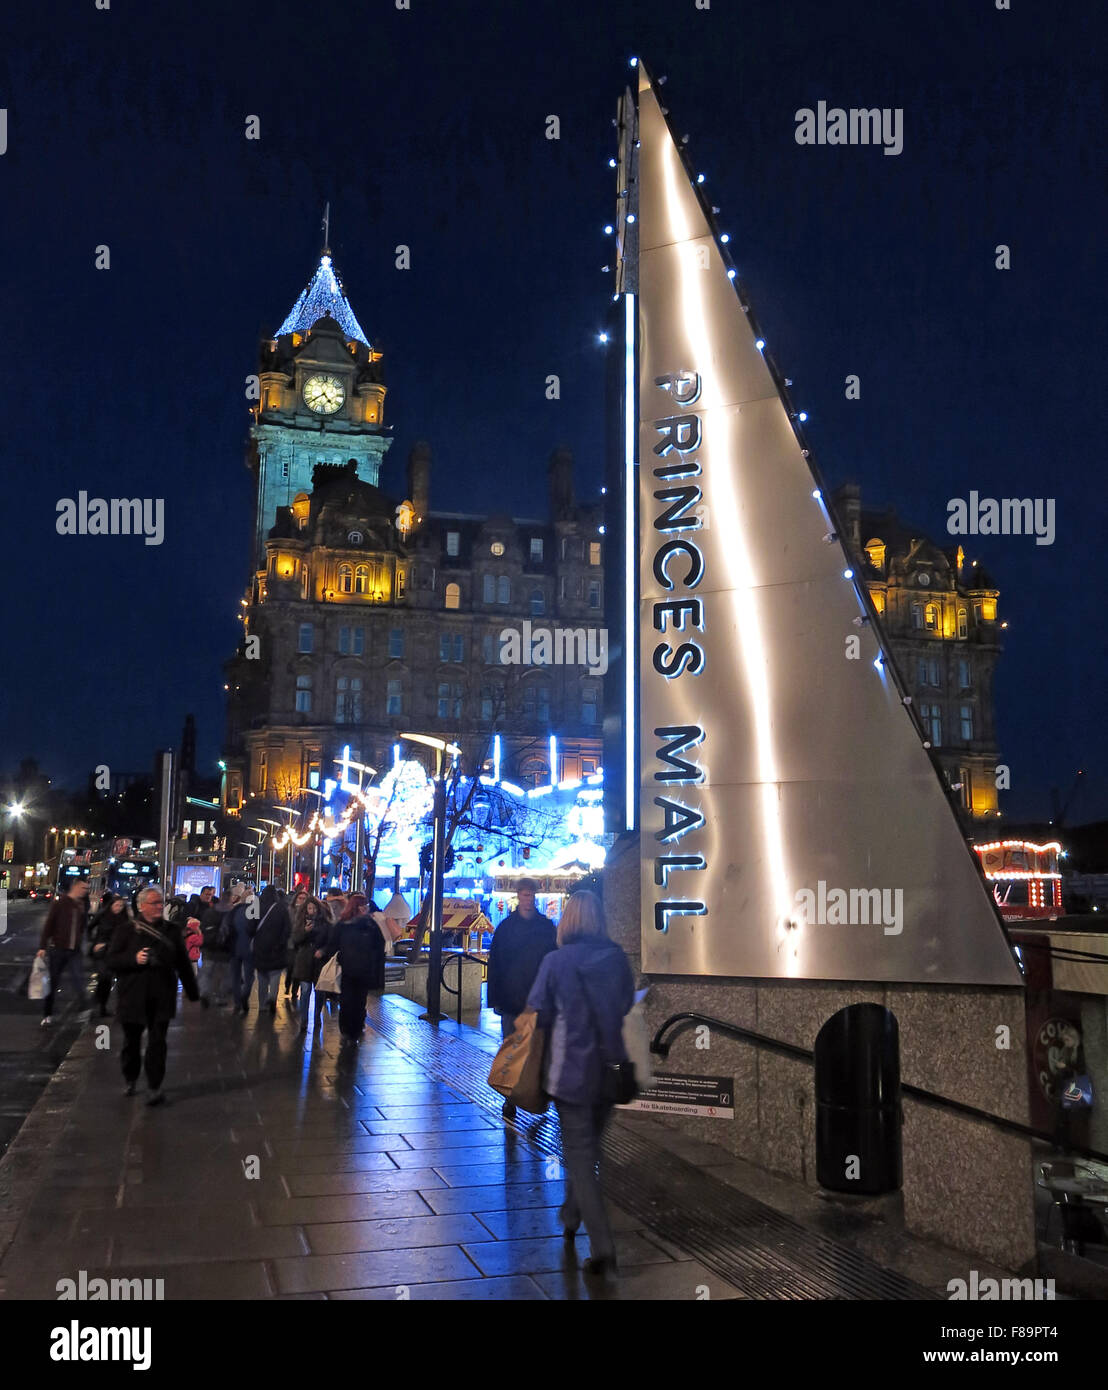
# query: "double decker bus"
120 866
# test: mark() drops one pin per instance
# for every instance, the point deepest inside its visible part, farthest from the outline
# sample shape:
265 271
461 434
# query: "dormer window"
355 538
452 538
875 549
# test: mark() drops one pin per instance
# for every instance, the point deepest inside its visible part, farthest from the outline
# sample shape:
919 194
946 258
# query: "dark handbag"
617 1079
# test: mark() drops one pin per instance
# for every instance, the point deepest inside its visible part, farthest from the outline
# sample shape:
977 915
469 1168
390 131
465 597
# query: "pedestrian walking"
296 915
361 954
113 909
60 943
215 958
516 951
310 942
244 923
271 943
581 994
199 903
148 956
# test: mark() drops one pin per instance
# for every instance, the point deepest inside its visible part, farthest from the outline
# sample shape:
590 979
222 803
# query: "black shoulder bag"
617 1079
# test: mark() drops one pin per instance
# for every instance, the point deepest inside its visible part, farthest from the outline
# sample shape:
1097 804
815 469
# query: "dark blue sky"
426 128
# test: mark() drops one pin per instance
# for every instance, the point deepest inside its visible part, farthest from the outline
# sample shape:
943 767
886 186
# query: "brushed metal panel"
812 771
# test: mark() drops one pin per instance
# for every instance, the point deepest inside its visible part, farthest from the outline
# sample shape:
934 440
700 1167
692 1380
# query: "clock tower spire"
322 398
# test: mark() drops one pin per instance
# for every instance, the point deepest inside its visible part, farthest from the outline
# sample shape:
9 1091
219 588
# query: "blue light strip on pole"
630 627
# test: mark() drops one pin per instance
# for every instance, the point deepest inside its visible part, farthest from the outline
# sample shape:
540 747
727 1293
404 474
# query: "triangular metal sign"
792 823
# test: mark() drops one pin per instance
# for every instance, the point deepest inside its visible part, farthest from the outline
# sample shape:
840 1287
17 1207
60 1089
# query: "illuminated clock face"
324 394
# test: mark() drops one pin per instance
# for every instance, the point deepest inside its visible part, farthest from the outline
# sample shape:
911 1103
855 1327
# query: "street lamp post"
438 867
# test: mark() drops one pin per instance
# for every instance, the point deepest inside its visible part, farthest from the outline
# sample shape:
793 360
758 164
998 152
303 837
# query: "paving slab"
372 1269
362 1206
339 1238
518 1287
687 1281
446 1123
537 1255
495 1197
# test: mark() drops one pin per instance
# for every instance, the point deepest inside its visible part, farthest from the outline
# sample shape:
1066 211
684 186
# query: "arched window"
453 596
917 615
346 579
503 589
963 624
931 617
355 538
361 579
489 590
538 603
534 772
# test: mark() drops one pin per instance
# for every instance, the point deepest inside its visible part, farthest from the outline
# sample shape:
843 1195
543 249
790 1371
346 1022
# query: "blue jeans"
582 1129
60 962
304 1001
242 980
269 986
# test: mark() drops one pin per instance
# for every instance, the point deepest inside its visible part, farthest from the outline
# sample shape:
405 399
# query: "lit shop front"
1024 877
497 832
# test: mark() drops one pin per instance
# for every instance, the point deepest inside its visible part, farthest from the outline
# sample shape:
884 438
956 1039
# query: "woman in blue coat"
581 994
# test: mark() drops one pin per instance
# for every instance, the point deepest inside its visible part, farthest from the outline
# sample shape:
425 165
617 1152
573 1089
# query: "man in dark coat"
61 937
517 949
200 902
361 953
271 946
148 955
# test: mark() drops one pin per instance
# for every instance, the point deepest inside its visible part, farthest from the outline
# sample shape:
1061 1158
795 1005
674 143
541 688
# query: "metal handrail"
459 956
680 1022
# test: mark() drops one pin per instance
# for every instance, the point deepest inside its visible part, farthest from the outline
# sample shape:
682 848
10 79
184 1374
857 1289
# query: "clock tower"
321 400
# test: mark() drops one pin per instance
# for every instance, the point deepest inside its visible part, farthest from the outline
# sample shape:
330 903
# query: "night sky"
426 127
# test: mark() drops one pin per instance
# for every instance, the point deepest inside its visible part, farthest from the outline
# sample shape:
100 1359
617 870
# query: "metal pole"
166 825
434 965
356 871
272 852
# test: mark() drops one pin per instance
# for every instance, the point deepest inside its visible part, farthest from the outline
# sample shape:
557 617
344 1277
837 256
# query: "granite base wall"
967 1185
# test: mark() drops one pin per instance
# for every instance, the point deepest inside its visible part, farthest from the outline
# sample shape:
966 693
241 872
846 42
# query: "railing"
679 1023
459 956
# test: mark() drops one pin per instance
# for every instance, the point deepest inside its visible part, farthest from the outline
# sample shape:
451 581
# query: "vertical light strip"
496 758
553 760
630 547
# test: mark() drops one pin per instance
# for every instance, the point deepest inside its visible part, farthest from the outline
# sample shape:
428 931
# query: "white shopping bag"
38 986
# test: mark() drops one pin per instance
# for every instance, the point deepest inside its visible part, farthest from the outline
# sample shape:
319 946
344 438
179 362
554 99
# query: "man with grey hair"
148 957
